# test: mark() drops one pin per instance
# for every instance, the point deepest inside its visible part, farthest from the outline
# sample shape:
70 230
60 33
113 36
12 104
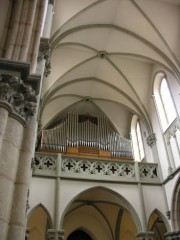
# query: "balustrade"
79 167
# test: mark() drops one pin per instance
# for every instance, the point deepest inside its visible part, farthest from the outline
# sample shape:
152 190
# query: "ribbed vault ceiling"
107 50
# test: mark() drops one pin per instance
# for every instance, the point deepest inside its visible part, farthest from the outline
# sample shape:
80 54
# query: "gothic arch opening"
79 235
38 223
157 225
104 215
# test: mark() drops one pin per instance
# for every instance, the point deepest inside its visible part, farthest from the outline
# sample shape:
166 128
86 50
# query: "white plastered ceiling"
106 50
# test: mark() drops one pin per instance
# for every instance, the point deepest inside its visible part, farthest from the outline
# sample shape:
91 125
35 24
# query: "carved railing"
44 164
97 167
86 168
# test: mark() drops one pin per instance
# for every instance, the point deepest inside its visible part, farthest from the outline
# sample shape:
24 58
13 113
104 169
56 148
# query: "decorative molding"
44 162
172 130
44 53
145 236
17 96
151 139
102 54
54 234
148 171
46 165
98 167
172 235
168 214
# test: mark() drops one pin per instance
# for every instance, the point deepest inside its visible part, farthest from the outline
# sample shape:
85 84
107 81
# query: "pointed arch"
39 221
117 200
158 224
40 205
137 140
165 106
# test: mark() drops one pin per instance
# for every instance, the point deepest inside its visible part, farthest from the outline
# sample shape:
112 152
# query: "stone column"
8 167
141 198
57 193
172 235
145 236
55 234
48 21
151 141
17 223
13 29
25 45
38 32
6 27
171 162
22 24
18 98
4 117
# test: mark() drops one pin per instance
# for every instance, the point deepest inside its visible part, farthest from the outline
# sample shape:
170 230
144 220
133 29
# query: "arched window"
164 101
137 141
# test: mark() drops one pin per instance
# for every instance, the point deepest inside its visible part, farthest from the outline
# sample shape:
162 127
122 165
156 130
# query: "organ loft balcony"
82 146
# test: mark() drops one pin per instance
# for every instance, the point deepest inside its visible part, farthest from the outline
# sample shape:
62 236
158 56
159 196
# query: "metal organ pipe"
85 131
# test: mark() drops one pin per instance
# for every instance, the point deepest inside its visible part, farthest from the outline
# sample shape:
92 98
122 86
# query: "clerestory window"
164 102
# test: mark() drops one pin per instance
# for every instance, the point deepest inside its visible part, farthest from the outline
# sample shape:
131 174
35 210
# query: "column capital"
175 235
151 139
145 235
18 90
54 234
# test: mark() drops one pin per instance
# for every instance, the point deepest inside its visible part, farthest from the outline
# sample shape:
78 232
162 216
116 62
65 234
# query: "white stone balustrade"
78 167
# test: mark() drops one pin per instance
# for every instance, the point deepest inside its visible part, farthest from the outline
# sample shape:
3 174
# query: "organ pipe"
85 131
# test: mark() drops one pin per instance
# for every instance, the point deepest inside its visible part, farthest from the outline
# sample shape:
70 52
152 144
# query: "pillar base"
145 236
172 235
54 234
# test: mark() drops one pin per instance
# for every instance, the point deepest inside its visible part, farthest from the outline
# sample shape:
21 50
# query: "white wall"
42 191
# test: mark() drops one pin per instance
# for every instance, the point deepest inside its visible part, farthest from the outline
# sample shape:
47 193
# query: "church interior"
90 120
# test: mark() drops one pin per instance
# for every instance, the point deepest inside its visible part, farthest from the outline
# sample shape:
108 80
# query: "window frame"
163 114
135 133
140 140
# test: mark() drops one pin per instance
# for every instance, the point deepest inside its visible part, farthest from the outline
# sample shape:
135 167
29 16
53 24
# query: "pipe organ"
86 133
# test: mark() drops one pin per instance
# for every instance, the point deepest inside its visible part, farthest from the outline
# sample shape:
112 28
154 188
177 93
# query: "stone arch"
40 205
38 221
118 200
158 224
164 219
